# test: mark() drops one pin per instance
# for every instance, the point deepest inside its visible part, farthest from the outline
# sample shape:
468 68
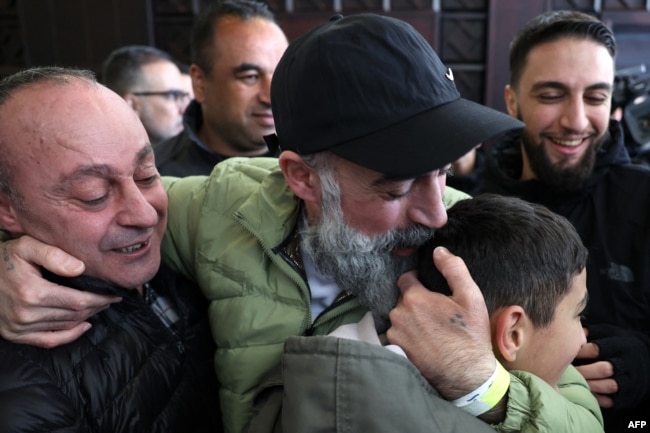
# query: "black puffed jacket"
128 373
184 154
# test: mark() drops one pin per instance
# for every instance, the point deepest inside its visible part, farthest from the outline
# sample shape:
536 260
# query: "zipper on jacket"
279 259
342 305
177 339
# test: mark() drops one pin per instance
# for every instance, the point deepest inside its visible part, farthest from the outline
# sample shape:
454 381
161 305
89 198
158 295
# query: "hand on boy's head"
34 311
444 336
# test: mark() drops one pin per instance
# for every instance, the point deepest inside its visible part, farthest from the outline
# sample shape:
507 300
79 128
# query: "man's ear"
302 179
511 100
198 82
132 100
8 218
510 326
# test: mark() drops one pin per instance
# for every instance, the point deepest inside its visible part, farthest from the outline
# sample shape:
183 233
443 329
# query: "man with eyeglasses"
236 45
151 82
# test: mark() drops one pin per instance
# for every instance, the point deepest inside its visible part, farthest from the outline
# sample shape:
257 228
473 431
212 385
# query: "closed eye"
95 202
149 180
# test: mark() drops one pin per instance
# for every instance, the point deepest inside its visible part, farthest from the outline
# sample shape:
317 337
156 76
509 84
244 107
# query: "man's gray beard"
561 177
363 265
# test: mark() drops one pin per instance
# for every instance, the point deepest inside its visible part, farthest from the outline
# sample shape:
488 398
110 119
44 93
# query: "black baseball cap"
370 89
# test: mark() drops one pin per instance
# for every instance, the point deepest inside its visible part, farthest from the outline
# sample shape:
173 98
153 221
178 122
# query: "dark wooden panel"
8 8
464 38
351 6
313 6
632 30
80 32
578 5
411 5
624 5
11 46
39 40
173 36
470 82
276 5
173 7
504 19
472 36
296 24
464 5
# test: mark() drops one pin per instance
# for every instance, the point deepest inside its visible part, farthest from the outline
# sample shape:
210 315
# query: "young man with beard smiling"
571 157
368 120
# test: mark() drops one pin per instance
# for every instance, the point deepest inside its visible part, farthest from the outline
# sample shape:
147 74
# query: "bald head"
82 174
38 105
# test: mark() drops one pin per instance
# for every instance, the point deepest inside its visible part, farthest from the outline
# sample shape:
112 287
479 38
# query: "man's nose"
265 90
574 116
136 210
427 207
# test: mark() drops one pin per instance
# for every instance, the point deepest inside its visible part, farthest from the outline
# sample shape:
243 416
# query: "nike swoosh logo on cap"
449 74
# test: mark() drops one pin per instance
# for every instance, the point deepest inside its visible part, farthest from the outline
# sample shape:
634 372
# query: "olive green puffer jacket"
228 232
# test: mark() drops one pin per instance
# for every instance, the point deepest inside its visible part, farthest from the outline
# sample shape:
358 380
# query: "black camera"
632 94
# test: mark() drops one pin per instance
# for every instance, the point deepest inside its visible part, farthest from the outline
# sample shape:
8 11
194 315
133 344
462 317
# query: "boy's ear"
8 219
510 326
300 177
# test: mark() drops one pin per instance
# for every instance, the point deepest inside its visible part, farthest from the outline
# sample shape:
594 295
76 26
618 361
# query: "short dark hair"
201 42
519 253
183 67
26 78
122 69
554 25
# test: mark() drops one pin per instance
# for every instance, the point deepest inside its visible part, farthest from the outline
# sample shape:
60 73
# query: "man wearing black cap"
368 119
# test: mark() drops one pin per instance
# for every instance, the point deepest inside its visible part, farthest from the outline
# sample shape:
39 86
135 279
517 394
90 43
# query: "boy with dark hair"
530 265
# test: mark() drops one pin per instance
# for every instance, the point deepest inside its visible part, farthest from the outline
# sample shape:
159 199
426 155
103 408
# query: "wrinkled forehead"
80 99
70 115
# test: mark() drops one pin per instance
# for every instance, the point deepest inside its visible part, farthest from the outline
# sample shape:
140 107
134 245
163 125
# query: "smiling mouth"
268 117
568 143
132 248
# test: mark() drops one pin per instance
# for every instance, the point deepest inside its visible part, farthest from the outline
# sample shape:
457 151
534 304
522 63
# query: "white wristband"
486 396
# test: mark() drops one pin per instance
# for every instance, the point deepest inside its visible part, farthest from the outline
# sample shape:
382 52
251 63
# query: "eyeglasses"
178 96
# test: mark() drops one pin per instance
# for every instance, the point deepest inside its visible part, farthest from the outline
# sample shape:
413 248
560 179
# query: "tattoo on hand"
457 319
6 259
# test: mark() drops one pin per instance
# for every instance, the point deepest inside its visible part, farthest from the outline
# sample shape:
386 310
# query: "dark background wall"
471 36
